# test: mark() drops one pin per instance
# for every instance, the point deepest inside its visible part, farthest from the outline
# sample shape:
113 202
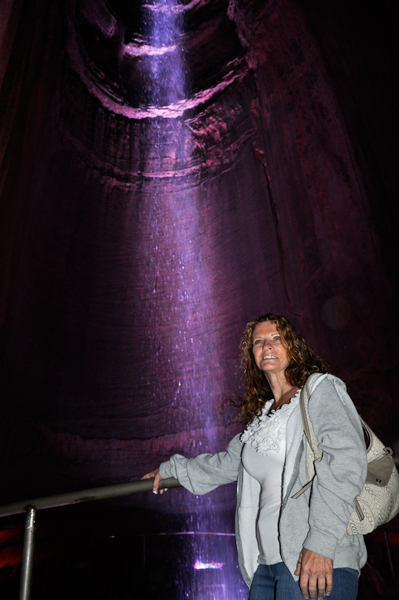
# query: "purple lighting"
212 565
180 305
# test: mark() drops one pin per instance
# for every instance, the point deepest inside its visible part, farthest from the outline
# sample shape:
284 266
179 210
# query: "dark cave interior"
142 228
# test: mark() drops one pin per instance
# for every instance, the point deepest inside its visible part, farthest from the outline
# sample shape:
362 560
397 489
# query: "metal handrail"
100 493
32 506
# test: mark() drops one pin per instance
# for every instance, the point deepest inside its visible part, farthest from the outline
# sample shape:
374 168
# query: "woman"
288 548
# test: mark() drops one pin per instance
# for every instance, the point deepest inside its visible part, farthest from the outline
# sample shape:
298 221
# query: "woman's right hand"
315 575
157 478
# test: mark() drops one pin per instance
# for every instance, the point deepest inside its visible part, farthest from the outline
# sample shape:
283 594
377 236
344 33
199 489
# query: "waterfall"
180 311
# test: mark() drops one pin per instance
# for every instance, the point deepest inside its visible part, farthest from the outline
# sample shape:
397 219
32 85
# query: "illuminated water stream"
181 313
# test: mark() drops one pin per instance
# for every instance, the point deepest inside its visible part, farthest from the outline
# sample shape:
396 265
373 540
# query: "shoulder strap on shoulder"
312 443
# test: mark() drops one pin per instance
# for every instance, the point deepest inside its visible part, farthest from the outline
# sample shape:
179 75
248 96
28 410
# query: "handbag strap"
313 451
308 428
306 422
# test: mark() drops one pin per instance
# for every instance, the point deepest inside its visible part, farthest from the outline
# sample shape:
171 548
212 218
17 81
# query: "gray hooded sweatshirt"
318 519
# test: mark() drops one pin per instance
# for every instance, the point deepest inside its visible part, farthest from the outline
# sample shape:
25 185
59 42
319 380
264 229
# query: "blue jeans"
275 582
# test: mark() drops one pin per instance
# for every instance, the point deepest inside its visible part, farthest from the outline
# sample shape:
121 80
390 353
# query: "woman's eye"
256 342
277 338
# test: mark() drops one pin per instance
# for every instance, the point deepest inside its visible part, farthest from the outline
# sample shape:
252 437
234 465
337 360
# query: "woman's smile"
269 353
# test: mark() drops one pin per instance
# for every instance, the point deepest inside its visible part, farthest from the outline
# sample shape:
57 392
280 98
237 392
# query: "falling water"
180 309
166 85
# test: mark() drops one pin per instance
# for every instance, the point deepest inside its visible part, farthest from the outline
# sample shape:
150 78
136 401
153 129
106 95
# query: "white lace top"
265 432
263 458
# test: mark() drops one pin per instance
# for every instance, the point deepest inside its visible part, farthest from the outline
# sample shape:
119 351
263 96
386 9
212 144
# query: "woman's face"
268 350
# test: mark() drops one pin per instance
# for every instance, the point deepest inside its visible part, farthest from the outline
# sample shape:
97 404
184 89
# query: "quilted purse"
378 501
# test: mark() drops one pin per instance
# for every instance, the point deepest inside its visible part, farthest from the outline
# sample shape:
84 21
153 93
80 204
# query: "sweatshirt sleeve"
205 472
342 469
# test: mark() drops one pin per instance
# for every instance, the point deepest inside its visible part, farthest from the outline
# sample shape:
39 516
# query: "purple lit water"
180 311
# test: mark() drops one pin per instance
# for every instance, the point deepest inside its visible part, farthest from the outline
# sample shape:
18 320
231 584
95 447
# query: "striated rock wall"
138 239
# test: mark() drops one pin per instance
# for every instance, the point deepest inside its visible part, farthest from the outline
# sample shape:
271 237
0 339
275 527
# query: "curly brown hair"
303 361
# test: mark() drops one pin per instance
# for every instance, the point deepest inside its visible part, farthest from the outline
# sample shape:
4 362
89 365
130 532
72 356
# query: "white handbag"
378 501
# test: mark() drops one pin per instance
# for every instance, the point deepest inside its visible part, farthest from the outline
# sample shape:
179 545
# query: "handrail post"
27 554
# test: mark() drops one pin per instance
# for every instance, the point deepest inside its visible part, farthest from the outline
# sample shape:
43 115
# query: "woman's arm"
340 476
202 473
342 469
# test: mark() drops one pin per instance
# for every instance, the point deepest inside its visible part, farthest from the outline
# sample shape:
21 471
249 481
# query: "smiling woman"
273 335
289 547
272 359
269 353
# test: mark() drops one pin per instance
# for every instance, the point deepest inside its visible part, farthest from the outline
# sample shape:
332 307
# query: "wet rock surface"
138 237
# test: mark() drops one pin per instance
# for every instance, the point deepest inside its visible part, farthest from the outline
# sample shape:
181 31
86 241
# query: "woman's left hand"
157 478
315 574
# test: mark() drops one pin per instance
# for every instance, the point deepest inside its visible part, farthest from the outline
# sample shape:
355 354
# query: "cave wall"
260 183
